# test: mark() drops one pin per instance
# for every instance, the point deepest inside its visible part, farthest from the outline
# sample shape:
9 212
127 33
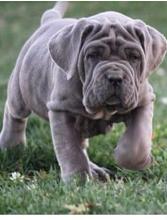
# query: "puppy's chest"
89 127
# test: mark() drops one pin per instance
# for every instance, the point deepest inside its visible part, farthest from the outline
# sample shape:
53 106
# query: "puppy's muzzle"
108 91
111 89
114 79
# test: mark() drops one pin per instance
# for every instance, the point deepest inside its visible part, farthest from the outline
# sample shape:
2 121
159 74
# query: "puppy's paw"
131 160
79 177
100 173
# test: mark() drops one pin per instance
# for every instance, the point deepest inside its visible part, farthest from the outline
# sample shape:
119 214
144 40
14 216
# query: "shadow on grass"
30 160
27 159
39 154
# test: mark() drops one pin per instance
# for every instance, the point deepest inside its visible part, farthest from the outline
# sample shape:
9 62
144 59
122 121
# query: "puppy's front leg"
68 146
134 148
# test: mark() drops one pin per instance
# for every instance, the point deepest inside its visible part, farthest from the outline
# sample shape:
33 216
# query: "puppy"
83 75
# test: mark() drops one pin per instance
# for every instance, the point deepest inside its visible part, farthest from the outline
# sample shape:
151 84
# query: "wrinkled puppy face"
112 71
112 61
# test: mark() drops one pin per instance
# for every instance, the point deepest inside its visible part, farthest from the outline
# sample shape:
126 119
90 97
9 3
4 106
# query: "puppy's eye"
93 56
132 55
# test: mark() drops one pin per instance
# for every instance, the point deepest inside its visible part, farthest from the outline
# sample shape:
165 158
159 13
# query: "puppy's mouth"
112 101
106 110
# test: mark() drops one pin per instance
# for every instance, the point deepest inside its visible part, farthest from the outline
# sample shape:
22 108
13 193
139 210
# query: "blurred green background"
36 188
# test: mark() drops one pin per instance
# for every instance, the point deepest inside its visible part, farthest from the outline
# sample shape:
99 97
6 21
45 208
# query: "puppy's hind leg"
13 130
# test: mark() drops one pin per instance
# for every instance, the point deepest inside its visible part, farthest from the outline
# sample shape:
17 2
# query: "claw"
109 172
100 173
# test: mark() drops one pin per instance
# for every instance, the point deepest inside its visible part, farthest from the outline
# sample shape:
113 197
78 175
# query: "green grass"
39 189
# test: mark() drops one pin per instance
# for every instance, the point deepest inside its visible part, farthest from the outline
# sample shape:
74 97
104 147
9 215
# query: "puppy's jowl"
83 75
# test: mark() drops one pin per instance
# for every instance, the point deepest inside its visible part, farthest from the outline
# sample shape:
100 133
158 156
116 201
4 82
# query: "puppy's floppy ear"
157 50
154 45
65 46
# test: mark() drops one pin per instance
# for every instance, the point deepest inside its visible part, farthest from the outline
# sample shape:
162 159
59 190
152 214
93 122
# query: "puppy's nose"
115 80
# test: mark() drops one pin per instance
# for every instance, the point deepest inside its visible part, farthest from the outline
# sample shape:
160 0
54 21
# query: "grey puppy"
83 75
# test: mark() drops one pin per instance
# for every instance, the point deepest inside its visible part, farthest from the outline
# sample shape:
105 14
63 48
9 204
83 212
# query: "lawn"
29 176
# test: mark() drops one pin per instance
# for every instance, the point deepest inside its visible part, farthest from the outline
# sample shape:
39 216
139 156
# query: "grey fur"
58 77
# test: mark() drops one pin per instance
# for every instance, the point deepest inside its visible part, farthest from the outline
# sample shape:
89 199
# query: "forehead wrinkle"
94 44
118 35
118 32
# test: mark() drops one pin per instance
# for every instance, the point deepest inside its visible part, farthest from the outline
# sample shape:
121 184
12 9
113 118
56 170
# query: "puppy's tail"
61 8
56 12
